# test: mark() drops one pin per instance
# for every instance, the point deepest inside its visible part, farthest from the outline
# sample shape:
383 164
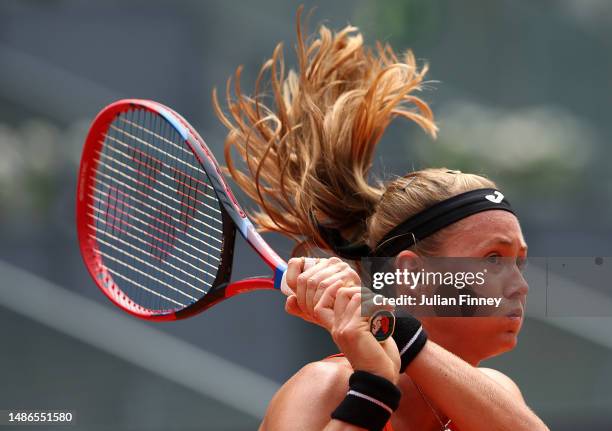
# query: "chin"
508 340
501 342
501 334
484 337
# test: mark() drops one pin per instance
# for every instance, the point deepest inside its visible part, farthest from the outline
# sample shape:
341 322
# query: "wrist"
410 337
369 402
390 373
384 369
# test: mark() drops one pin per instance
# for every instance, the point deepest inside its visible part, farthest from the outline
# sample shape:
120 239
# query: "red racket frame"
234 218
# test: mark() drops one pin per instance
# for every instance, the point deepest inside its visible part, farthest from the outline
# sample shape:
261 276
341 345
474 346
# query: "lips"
517 313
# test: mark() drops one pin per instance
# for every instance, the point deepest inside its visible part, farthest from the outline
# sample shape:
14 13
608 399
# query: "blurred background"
522 93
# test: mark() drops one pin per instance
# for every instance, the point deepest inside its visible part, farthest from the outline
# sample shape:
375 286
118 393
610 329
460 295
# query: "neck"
454 344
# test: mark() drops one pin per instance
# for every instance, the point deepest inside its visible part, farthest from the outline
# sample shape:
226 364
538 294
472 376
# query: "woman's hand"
351 333
329 295
315 288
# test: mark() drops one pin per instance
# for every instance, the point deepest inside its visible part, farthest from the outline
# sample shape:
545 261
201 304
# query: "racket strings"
153 209
185 207
148 243
205 244
131 246
155 217
144 273
145 289
156 165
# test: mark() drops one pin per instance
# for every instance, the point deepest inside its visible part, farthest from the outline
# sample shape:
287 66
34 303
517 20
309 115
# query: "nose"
518 287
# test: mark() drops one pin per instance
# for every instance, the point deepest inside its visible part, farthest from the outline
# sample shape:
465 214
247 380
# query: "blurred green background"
522 92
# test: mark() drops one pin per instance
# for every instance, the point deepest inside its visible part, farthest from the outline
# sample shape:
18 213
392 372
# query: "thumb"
292 307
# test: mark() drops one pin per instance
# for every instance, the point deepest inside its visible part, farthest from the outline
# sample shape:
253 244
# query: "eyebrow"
505 241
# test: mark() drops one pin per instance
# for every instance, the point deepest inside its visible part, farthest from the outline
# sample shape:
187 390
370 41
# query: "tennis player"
308 148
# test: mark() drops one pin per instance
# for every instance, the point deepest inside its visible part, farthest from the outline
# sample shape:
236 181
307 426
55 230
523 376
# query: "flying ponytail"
308 148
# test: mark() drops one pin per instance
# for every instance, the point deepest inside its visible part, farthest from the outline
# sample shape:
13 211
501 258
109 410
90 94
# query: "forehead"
478 231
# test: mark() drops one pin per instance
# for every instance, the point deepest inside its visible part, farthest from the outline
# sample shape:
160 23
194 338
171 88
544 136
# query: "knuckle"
334 260
351 275
290 310
301 279
341 267
347 272
311 283
344 292
347 334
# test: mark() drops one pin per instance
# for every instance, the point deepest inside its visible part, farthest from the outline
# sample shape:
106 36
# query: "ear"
408 260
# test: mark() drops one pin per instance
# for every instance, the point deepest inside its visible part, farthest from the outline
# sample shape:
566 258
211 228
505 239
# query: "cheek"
500 334
481 328
494 283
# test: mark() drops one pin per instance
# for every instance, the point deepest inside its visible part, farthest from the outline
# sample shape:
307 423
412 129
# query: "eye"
494 259
521 263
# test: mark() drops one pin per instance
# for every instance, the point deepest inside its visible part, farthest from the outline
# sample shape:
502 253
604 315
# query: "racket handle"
382 322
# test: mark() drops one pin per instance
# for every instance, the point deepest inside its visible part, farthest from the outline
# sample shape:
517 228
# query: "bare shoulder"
308 398
503 380
324 378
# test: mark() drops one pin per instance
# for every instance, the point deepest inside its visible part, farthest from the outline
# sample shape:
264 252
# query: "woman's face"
495 237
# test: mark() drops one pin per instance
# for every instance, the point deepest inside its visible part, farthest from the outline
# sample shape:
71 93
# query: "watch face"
382 324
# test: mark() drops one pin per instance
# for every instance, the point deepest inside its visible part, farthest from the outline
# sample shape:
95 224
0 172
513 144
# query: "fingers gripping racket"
156 219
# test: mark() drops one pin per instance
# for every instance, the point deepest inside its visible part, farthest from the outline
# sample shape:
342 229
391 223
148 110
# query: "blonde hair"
308 150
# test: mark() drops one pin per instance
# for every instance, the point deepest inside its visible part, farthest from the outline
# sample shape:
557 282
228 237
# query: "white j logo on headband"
496 197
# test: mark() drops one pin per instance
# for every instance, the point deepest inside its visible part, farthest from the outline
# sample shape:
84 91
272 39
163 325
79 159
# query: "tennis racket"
156 219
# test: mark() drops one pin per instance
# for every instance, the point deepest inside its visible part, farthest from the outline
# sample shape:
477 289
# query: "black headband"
421 225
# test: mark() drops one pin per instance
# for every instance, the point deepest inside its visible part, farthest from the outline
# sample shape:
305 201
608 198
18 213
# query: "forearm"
336 425
471 399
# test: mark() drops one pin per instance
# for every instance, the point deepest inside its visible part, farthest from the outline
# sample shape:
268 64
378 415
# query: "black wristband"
410 338
369 402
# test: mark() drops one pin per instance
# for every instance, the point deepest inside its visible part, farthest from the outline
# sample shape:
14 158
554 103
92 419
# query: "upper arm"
505 381
306 400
